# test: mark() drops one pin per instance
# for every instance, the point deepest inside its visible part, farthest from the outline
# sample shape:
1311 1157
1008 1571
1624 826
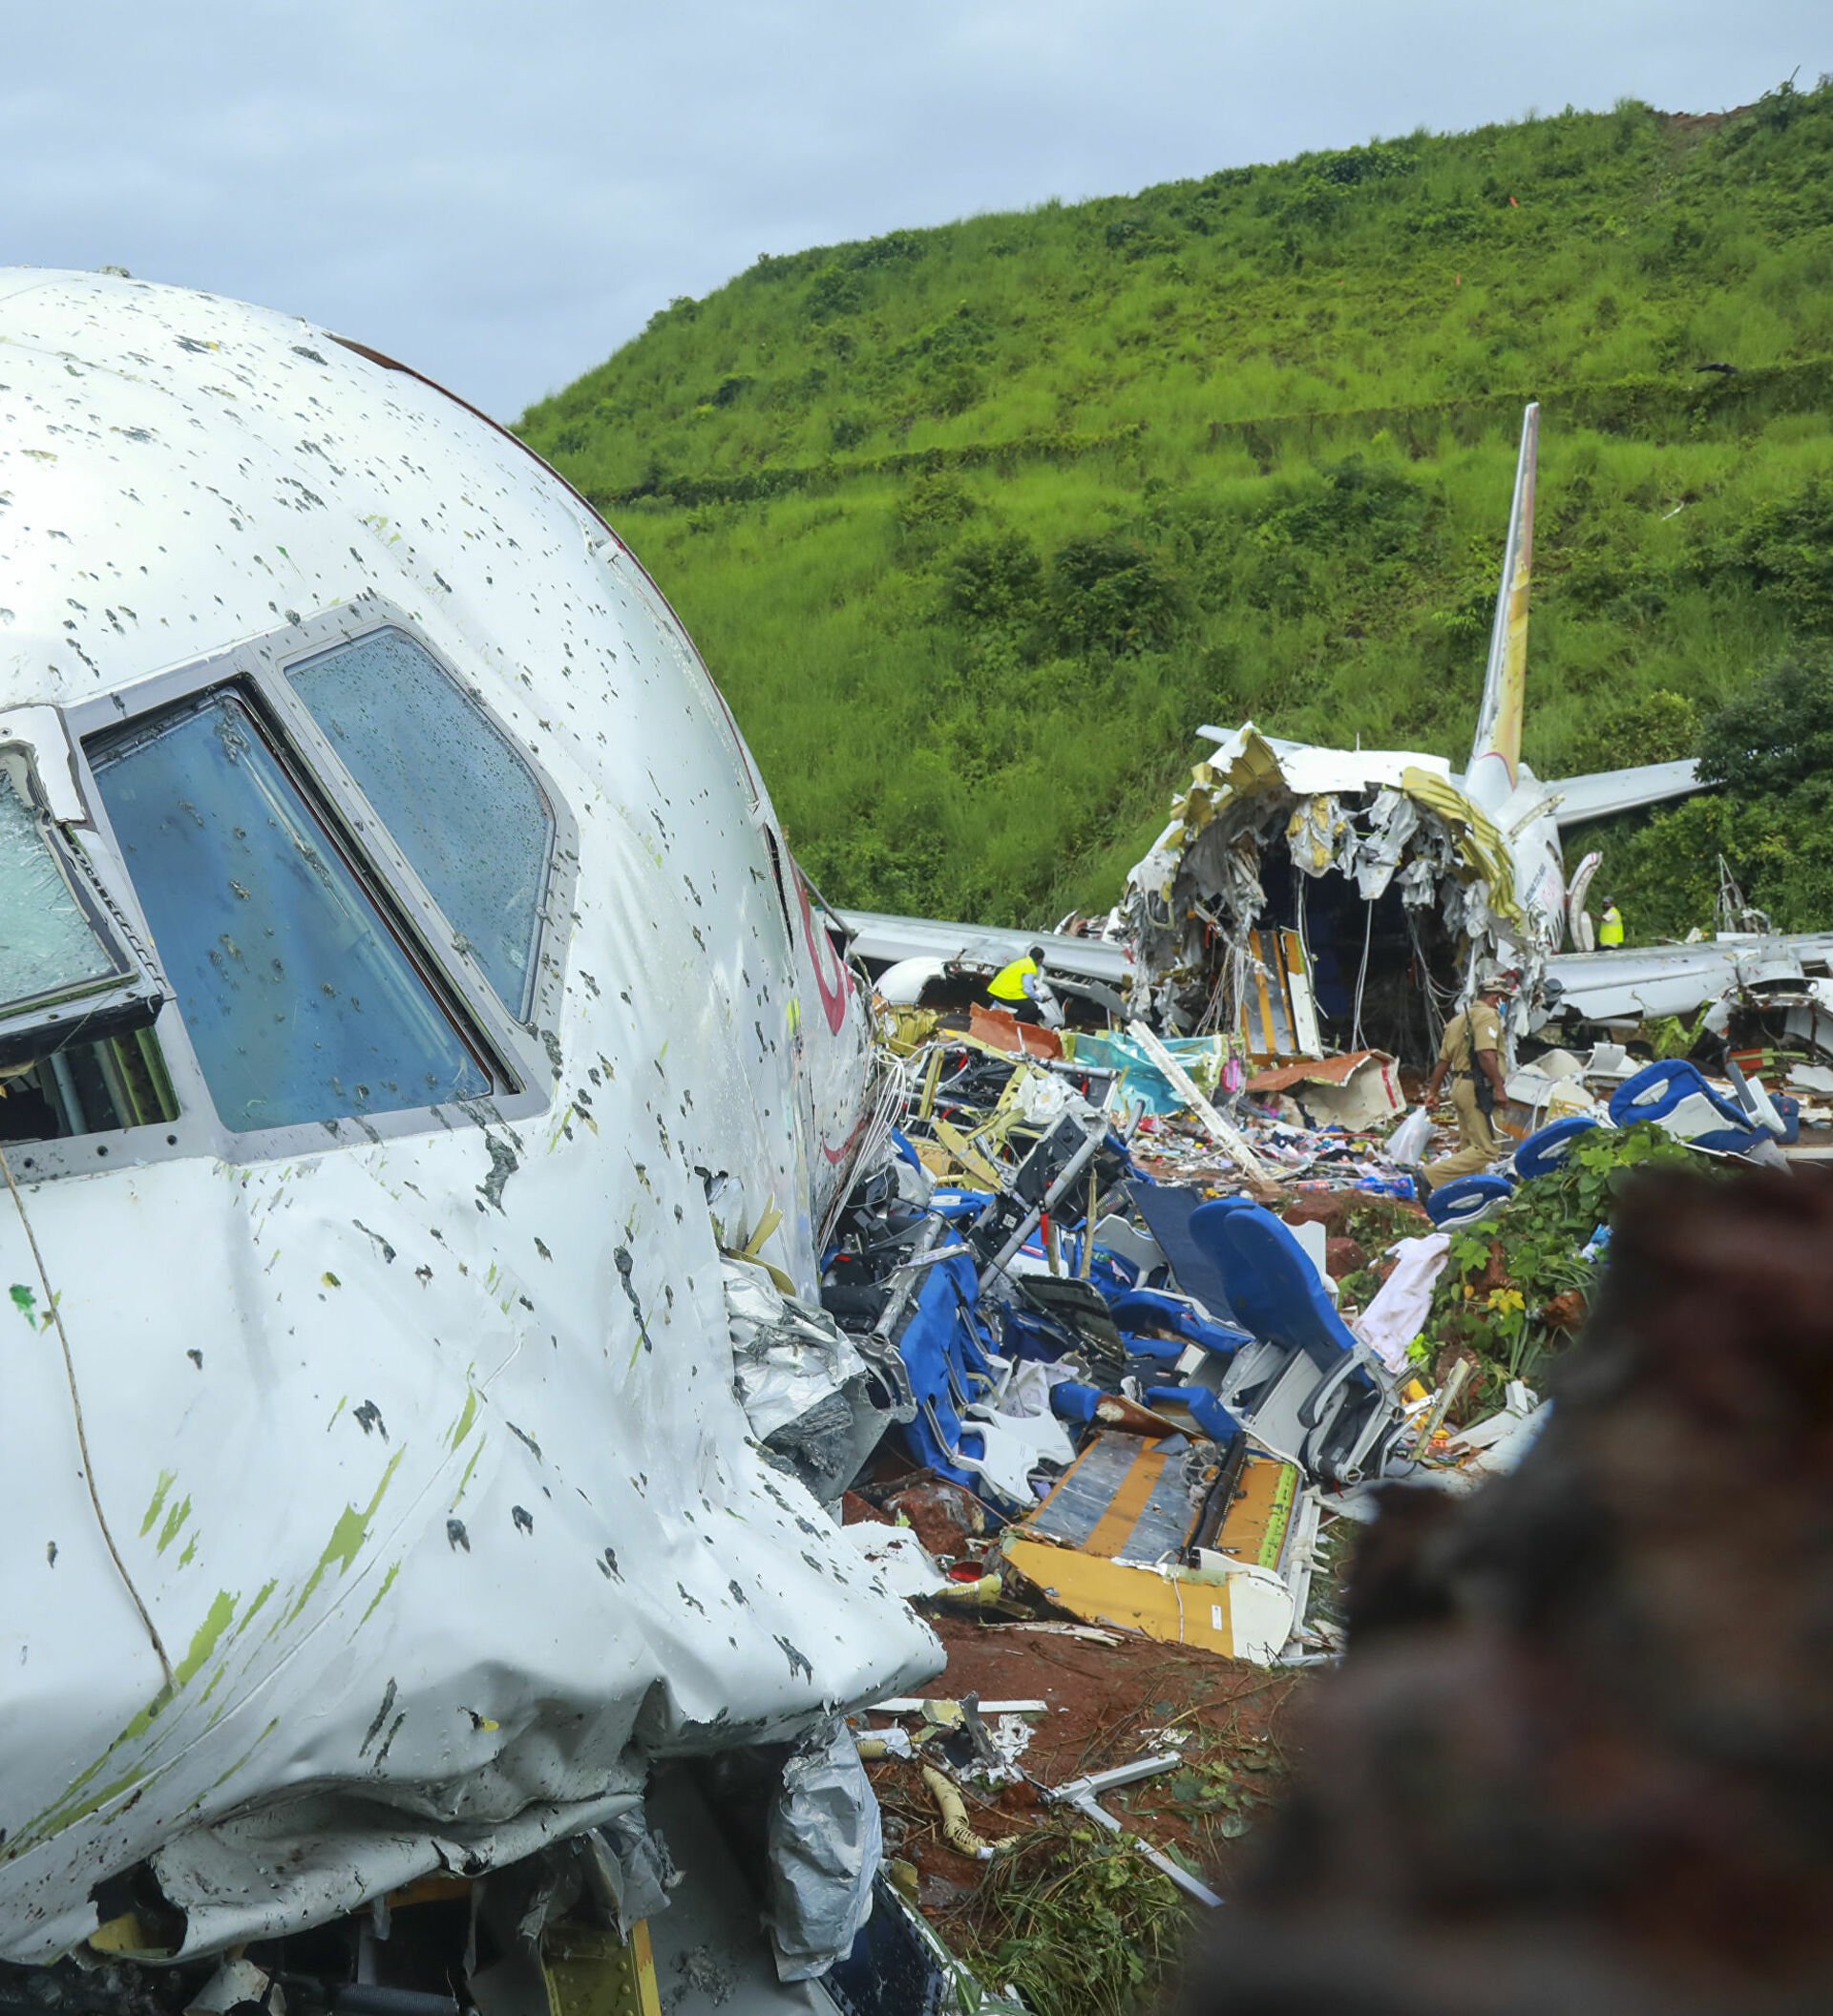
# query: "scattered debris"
1067 1334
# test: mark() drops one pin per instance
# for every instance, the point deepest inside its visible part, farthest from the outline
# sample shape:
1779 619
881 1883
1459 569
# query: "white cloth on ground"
1395 1317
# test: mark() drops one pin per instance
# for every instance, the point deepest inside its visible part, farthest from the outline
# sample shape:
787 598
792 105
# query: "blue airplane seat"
1674 1095
1776 1113
1546 1149
957 1204
931 1348
1271 1285
1168 1212
1174 1312
1030 1334
1661 1092
955 1429
1305 1386
1466 1200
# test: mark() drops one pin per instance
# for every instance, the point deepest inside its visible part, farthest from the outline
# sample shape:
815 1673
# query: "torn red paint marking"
834 996
838 1155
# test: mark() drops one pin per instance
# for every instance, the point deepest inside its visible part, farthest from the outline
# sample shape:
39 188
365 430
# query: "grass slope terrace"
976 524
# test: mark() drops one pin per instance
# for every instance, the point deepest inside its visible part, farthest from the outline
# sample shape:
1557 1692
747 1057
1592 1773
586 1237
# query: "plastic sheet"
641 1870
1142 1086
825 1844
1409 1140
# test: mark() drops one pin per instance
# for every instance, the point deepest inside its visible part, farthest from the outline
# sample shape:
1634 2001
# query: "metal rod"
1081 1794
1225 1137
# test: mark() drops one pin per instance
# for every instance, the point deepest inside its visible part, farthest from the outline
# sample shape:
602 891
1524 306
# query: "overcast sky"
501 195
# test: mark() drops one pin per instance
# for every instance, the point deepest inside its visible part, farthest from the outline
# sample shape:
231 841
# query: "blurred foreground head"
1580 1756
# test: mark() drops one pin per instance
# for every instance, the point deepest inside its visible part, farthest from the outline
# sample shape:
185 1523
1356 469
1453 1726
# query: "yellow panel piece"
129 1934
590 1972
908 1028
1254 1529
1483 850
967 1155
1135 1599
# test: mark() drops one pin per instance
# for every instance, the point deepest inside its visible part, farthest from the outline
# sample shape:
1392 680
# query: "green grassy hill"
975 525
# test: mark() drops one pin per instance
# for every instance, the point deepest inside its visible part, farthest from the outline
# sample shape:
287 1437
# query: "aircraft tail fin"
1505 682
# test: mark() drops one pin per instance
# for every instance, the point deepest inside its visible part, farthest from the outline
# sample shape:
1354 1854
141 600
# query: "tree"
1776 735
1660 726
995 578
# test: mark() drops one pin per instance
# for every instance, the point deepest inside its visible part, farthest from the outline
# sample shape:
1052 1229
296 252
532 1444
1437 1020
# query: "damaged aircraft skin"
376 1494
1299 886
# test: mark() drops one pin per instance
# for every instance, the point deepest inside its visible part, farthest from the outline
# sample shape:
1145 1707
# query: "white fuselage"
416 1437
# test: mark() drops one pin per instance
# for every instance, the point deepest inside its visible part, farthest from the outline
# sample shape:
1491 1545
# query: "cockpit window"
78 1054
50 949
301 1003
461 805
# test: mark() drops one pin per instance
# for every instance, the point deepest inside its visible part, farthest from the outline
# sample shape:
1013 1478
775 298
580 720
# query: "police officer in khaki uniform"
1470 1055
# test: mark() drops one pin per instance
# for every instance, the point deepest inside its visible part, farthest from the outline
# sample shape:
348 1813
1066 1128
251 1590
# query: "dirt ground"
1108 1703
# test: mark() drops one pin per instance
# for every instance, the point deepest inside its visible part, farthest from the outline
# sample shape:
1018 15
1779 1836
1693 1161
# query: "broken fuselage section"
1305 898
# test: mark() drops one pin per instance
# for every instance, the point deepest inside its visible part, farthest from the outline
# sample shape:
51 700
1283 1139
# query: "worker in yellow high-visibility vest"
1610 925
1023 990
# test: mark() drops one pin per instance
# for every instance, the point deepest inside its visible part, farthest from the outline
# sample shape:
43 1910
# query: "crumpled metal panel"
423 1454
1419 826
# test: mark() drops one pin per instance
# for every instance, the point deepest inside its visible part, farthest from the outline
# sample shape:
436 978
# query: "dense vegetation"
975 525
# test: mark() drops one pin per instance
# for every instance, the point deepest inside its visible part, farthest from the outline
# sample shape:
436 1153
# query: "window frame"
520 1056
126 998
334 775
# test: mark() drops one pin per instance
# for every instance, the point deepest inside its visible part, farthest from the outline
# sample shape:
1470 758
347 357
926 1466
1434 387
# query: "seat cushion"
1167 1210
1548 1148
1466 1198
1272 1286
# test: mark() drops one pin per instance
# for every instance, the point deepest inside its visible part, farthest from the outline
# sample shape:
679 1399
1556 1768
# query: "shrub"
834 291
935 498
1777 734
1653 727
1113 593
994 579
1786 551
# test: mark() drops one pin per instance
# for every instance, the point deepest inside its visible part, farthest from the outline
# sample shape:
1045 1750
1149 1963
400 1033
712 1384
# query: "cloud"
501 196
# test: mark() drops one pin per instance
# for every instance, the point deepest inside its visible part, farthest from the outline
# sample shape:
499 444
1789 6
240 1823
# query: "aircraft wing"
878 937
1600 793
1677 979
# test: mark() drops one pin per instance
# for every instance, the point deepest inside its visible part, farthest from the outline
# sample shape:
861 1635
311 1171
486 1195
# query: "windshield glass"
459 801
301 1004
48 949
